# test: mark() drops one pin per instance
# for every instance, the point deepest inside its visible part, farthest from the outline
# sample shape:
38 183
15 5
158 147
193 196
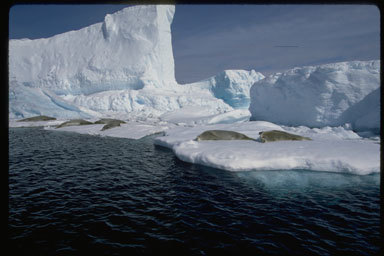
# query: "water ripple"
72 194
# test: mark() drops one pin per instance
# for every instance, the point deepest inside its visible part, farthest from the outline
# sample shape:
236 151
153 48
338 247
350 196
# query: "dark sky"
210 38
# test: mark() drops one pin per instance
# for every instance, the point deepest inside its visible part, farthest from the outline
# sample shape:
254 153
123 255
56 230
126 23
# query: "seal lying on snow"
222 135
74 122
37 118
109 123
275 135
266 136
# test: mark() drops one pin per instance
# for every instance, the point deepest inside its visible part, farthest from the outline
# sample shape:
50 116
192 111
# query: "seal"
37 118
222 135
109 123
274 135
74 122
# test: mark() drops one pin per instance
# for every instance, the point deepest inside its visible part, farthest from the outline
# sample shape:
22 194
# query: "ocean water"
72 194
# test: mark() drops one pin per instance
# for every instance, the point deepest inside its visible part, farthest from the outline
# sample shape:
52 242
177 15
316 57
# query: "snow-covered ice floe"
334 149
16 123
137 127
129 130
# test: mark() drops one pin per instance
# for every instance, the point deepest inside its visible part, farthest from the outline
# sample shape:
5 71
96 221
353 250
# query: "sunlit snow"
123 68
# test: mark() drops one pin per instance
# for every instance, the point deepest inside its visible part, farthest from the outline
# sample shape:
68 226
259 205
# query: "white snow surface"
132 129
332 149
137 127
123 68
129 130
318 96
120 67
191 116
16 124
129 49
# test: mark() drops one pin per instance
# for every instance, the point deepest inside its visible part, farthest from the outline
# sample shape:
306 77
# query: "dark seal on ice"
74 122
274 135
222 135
37 118
109 123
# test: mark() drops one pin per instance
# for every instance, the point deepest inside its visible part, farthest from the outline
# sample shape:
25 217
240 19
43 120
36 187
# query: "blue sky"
210 38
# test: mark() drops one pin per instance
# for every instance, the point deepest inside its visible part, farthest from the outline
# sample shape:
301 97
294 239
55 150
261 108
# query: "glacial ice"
130 49
318 96
121 67
232 86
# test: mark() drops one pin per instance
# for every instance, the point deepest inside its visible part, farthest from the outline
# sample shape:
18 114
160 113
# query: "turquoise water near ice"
73 194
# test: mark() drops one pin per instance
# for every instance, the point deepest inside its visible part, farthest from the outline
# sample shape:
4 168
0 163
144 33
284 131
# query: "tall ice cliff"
121 66
129 49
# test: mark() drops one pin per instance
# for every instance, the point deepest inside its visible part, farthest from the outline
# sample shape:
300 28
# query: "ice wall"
233 86
129 50
317 96
121 66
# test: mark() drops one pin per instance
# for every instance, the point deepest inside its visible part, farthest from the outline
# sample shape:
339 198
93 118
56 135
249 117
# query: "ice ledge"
331 150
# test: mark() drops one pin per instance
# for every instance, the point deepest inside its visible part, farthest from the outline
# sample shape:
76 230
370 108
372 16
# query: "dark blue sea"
73 194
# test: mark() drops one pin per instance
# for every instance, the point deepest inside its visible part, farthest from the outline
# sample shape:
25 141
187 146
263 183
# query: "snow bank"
318 96
191 116
331 149
147 102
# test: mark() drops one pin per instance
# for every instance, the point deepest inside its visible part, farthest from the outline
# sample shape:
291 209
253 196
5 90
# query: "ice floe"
331 149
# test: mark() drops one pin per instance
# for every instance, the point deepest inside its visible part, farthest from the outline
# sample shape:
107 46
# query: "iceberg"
318 96
365 115
123 68
128 50
120 67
